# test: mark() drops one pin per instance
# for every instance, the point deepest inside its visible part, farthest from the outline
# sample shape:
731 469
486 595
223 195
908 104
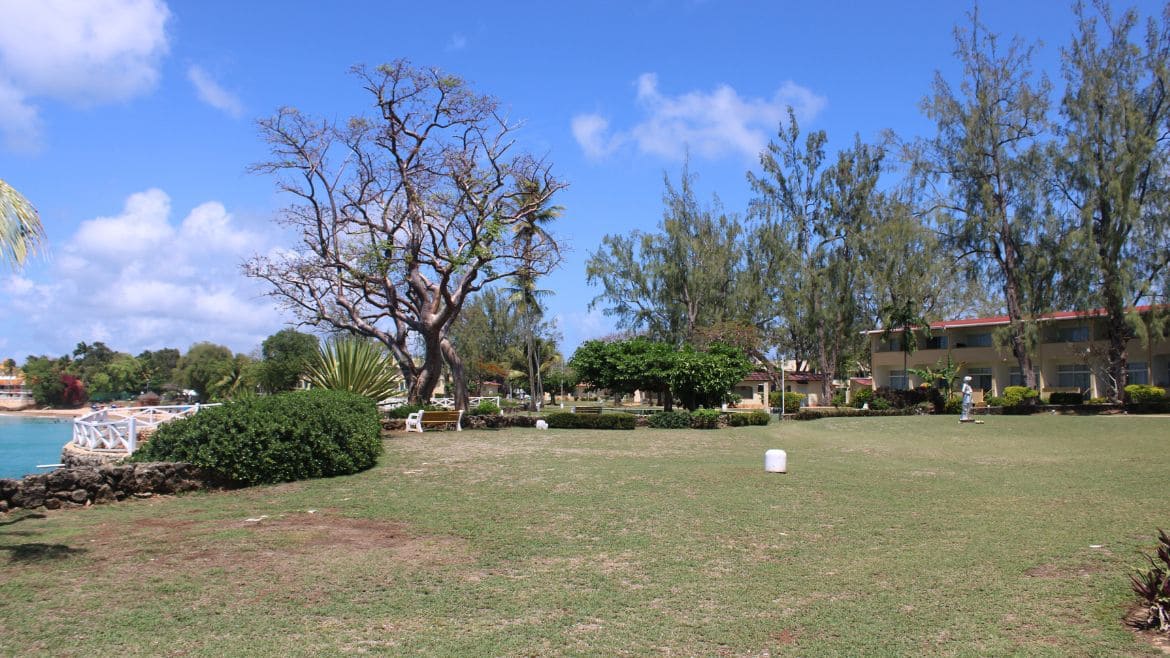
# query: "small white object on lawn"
776 461
542 424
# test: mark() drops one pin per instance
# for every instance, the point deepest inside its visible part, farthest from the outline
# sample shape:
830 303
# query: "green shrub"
1099 400
1065 398
671 420
1018 396
279 438
953 404
791 400
996 401
737 419
1145 394
880 404
846 412
838 399
565 420
1153 588
485 408
705 419
863 396
759 418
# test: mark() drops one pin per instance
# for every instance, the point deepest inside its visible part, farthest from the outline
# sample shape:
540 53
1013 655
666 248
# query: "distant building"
1069 356
14 394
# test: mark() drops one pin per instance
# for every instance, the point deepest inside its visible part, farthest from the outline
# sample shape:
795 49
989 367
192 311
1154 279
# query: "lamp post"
783 392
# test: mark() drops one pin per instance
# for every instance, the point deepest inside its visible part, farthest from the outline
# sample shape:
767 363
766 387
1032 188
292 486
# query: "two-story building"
13 393
1069 354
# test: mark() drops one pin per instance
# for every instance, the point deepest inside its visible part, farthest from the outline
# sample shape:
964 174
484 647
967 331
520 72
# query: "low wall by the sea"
80 486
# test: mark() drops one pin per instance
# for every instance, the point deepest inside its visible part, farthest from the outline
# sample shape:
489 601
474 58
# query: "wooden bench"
587 410
420 420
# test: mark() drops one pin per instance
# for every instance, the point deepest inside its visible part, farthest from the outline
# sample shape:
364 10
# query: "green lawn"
888 536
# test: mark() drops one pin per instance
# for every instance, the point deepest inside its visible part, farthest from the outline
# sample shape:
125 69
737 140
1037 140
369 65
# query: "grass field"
909 535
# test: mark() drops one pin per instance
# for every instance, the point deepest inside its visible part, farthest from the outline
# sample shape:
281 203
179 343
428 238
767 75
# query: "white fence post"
132 436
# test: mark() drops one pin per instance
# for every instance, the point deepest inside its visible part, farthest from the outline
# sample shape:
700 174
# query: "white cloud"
19 124
210 92
710 124
82 53
140 279
590 132
456 42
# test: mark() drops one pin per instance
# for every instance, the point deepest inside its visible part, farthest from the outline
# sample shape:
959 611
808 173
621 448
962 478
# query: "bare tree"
404 214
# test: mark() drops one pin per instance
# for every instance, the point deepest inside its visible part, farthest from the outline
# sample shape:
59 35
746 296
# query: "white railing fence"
118 428
446 403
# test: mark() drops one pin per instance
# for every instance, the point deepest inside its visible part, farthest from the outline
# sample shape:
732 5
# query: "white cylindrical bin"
776 461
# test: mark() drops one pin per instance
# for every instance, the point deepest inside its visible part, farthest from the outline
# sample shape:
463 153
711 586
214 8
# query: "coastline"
46 413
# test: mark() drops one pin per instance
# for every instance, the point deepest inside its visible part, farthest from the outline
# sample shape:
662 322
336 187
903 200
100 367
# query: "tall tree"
21 233
525 296
987 163
203 367
1113 169
404 214
910 276
671 283
484 333
813 220
286 358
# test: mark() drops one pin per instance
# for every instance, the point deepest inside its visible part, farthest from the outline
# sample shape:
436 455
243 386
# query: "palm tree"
21 233
524 295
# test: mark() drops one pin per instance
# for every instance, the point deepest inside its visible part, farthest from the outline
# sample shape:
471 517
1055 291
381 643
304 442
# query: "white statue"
967 393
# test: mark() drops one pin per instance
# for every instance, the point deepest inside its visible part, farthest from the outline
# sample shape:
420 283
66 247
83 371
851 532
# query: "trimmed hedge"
1016 396
1065 398
817 414
565 420
751 418
1145 394
278 438
705 419
670 420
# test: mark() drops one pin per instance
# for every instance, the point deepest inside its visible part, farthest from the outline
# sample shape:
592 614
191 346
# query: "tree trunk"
458 380
667 400
423 388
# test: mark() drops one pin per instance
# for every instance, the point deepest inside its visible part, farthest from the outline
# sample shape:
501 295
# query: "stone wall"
87 485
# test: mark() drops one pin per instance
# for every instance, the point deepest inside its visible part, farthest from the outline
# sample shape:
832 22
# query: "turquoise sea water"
26 442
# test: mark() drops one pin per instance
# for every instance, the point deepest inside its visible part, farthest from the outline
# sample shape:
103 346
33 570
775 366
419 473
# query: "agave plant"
1153 586
357 366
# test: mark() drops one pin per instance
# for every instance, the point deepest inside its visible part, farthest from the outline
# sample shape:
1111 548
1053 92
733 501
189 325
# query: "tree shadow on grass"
38 552
22 517
34 551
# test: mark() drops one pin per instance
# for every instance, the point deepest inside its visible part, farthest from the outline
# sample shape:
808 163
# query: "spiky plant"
21 233
357 366
1153 586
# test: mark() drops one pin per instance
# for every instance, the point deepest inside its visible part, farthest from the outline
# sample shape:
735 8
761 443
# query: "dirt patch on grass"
1059 571
265 543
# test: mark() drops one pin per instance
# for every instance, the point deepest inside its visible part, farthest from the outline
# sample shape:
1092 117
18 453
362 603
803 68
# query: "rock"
104 494
50 503
79 496
3 506
143 494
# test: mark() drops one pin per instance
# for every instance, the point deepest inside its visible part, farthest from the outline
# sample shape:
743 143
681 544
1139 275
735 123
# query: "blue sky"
130 125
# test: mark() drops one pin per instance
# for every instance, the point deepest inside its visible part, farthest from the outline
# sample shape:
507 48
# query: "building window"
892 344
936 343
898 379
980 378
1074 375
979 340
1016 379
1071 335
1136 373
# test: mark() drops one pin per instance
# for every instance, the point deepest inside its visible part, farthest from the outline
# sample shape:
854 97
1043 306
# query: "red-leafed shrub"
74 394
